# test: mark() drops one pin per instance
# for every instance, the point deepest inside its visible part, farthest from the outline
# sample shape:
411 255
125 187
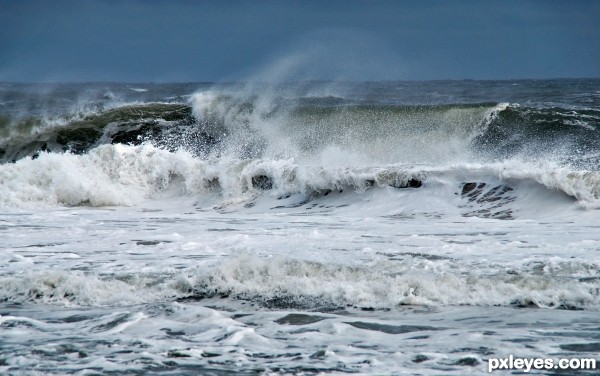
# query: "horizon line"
66 82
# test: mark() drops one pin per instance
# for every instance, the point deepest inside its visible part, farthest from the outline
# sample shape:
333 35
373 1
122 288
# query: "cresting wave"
282 282
115 175
83 130
216 125
237 146
212 124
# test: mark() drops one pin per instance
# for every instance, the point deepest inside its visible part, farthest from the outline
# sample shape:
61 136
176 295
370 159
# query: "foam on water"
284 282
127 175
108 175
292 283
293 289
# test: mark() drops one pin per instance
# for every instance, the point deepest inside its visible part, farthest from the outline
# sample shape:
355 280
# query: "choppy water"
371 228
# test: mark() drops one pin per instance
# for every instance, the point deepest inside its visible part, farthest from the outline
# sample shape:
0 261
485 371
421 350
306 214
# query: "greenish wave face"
555 132
388 127
130 124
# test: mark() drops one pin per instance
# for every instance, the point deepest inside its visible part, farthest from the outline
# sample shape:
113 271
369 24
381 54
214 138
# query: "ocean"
298 228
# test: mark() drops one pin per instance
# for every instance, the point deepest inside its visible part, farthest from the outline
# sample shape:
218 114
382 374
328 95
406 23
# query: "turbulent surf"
297 228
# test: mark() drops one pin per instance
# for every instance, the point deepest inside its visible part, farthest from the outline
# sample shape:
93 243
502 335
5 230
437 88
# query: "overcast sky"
143 40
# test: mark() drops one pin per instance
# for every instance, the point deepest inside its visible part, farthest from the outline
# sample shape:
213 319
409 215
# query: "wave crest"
282 282
116 175
108 175
287 283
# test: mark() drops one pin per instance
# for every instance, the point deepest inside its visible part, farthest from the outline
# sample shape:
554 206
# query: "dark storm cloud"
337 39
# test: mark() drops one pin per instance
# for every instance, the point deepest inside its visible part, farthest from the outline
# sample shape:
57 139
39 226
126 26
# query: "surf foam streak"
295 282
70 288
285 282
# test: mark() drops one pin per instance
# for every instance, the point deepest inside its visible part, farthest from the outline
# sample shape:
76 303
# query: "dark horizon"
286 82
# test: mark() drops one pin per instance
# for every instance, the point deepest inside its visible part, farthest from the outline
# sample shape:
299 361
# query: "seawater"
298 228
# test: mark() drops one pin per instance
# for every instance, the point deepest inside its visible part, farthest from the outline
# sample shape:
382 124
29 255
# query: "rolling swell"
397 133
309 128
213 125
243 128
129 124
571 134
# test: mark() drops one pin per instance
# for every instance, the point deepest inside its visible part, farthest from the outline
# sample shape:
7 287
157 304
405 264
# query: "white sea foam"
383 286
127 175
288 282
68 288
108 175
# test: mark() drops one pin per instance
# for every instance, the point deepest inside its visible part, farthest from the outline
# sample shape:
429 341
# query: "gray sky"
185 40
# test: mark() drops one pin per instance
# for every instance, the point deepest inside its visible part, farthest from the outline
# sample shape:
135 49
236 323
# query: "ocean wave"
83 130
126 175
288 283
107 175
213 124
283 282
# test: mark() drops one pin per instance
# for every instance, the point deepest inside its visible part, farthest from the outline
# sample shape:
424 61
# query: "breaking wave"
113 175
237 145
417 279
